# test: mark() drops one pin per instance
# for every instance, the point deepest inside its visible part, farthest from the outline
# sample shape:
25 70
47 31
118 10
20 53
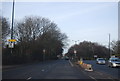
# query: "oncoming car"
114 62
100 61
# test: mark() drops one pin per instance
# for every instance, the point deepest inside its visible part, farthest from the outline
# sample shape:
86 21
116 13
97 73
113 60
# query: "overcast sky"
90 21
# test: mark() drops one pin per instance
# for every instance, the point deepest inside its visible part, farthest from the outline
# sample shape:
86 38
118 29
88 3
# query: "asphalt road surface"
56 69
101 68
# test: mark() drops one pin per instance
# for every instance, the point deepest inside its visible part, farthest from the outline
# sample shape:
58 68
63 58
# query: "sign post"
12 40
75 55
75 52
95 56
11 43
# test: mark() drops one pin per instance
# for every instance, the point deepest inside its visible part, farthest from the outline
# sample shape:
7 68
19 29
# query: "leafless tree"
4 23
34 34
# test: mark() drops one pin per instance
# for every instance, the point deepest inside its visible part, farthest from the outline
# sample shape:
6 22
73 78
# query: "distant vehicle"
100 61
114 62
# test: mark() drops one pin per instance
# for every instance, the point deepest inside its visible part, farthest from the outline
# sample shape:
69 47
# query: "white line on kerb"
29 78
70 63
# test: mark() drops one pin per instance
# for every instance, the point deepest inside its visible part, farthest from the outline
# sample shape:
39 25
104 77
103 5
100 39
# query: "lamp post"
12 20
109 46
75 41
44 54
95 56
12 25
75 51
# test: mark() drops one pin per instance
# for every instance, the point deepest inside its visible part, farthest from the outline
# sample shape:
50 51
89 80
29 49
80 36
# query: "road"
59 69
104 69
56 69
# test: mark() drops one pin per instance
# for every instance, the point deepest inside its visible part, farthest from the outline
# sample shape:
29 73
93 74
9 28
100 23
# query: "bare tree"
5 29
87 50
116 48
35 34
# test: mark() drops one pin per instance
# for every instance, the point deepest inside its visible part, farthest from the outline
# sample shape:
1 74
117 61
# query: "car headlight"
99 62
114 64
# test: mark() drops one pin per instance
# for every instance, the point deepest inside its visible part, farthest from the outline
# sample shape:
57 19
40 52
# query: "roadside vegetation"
88 50
33 35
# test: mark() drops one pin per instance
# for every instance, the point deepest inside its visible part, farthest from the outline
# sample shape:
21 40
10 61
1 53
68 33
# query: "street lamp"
75 51
12 20
44 54
95 56
109 46
11 43
75 41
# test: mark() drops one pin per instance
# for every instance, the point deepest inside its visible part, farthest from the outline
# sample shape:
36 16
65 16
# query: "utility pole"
12 23
109 46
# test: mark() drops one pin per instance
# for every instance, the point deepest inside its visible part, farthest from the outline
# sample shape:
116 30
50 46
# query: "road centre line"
71 63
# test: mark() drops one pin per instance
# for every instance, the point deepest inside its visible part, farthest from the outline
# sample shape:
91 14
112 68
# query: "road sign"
12 40
11 45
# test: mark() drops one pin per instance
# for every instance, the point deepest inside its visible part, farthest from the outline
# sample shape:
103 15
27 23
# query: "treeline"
115 47
36 37
87 50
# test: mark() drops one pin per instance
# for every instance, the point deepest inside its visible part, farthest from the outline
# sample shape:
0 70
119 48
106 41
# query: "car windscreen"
101 59
115 60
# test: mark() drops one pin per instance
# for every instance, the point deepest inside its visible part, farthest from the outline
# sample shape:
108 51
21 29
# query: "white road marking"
83 72
42 70
71 63
107 77
99 73
92 78
29 78
111 78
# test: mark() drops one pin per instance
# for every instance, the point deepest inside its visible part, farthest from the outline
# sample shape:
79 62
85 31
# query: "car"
114 62
100 61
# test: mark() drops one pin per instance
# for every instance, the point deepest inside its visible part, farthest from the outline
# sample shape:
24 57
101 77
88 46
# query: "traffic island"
87 67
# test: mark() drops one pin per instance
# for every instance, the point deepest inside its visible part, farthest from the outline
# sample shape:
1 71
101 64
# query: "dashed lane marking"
43 70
